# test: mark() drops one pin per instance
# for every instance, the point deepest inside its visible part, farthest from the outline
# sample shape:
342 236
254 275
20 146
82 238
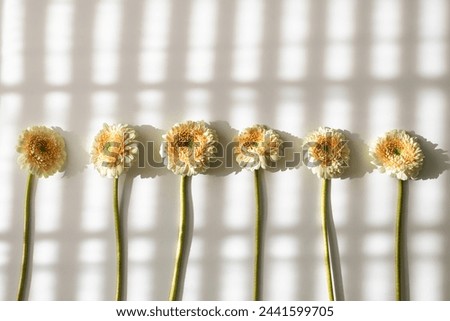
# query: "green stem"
257 269
27 246
119 243
176 288
325 192
399 262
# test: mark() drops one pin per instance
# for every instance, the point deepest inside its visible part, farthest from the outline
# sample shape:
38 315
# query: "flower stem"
399 260
176 288
119 243
257 269
325 192
27 246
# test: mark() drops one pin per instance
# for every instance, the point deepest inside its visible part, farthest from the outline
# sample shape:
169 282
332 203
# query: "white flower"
114 149
398 154
257 146
188 147
327 152
42 151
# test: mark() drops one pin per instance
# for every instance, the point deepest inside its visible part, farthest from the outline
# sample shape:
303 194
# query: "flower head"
257 146
188 147
327 152
42 151
398 154
114 149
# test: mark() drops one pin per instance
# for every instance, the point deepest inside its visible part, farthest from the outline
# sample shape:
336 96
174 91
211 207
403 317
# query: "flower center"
184 139
322 152
42 146
250 144
327 150
42 152
185 146
252 141
394 148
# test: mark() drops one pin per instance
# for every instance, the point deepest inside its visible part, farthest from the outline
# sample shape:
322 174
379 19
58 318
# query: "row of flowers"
187 150
189 147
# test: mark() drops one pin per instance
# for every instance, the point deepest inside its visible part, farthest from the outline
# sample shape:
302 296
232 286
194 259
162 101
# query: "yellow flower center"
394 152
188 145
251 140
42 151
42 146
184 139
327 150
111 148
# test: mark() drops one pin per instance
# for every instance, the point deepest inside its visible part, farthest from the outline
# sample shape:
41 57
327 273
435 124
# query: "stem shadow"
29 272
334 252
189 236
405 282
124 205
263 212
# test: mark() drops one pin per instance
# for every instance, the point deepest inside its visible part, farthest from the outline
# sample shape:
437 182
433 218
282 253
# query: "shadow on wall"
77 157
436 160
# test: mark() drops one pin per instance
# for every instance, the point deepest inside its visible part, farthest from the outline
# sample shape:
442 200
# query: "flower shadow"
436 160
77 156
149 162
360 164
291 153
224 164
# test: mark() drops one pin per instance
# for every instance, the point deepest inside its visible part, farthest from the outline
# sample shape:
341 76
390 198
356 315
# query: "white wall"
294 65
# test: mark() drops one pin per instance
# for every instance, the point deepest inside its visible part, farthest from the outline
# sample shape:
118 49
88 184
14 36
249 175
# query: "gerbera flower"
188 147
327 155
327 152
114 149
398 154
187 150
257 146
42 151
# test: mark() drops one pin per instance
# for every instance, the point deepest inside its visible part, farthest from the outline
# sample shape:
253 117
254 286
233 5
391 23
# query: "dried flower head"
398 154
42 151
114 149
327 152
257 147
188 147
